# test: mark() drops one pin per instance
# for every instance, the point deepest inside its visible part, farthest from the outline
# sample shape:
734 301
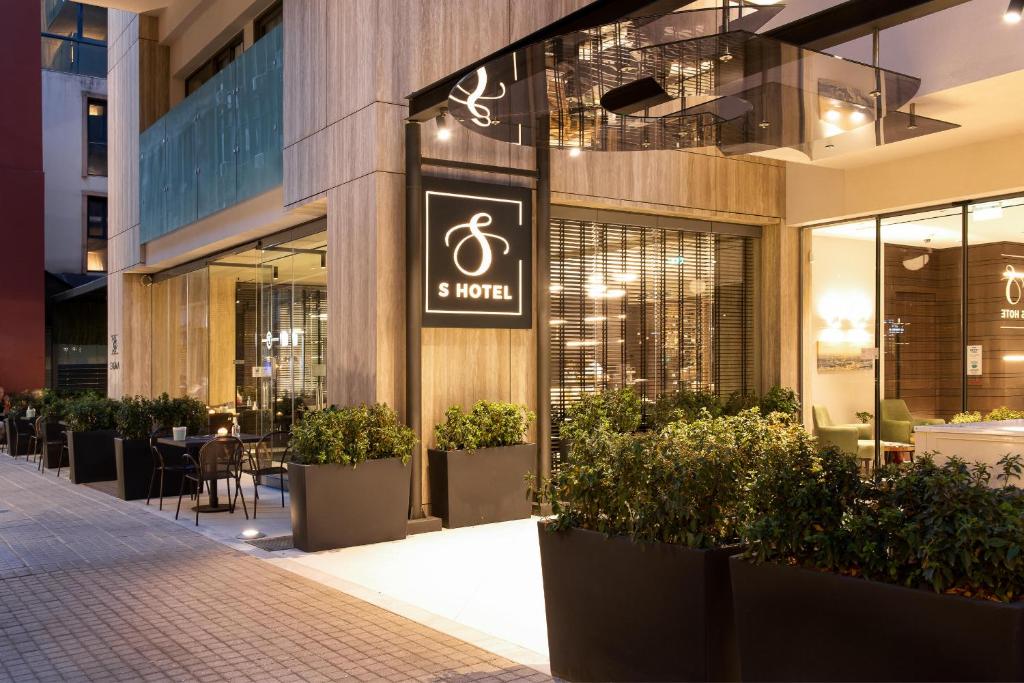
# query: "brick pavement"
92 589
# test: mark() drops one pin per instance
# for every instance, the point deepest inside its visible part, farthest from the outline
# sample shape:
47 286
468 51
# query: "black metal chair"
65 452
164 463
37 439
269 457
219 458
19 431
44 433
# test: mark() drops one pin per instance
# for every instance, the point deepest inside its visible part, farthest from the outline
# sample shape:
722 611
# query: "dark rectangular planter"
91 456
795 624
336 506
481 486
134 467
624 611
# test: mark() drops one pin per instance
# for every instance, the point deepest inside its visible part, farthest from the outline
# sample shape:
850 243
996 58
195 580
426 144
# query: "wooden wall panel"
390 289
351 300
351 56
305 63
779 306
222 337
528 16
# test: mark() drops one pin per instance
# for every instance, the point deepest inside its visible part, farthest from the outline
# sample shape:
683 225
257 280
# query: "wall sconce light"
1014 12
444 131
574 152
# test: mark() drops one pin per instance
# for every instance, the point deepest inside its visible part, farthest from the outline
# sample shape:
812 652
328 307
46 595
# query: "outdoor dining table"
192 445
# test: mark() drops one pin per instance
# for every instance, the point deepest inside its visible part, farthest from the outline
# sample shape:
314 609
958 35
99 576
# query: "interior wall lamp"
1014 12
444 131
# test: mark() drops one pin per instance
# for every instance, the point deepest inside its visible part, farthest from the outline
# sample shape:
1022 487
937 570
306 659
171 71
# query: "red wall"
22 295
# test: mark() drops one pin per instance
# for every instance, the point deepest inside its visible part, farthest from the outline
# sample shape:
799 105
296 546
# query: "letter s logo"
1014 288
474 232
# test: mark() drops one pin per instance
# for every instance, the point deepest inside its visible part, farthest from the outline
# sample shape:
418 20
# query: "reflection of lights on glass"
625 277
594 319
832 115
581 342
1014 358
596 291
575 152
557 322
857 117
615 293
555 288
987 212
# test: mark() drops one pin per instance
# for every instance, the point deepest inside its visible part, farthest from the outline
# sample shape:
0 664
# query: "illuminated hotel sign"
477 255
1014 294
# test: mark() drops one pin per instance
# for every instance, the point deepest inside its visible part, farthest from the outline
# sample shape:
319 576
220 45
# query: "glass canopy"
685 80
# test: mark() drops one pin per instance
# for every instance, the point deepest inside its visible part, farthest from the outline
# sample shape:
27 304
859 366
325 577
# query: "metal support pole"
413 309
543 289
879 322
964 331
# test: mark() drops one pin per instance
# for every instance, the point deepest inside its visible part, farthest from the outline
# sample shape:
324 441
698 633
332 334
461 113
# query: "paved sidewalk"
93 589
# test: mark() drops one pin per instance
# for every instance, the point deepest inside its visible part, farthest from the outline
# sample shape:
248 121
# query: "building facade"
74 89
268 249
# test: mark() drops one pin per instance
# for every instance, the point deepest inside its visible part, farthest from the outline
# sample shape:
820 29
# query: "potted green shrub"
347 481
615 410
916 575
91 432
134 420
477 473
635 559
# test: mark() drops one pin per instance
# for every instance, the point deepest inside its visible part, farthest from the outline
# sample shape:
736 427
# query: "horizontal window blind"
652 308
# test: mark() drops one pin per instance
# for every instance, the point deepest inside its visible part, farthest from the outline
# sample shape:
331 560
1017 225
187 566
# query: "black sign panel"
477 255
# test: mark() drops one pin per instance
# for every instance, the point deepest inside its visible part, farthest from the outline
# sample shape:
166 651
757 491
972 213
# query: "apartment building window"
269 20
214 65
96 136
74 38
95 234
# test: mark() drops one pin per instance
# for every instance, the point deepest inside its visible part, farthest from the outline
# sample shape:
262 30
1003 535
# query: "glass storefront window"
247 334
839 336
932 363
995 304
655 309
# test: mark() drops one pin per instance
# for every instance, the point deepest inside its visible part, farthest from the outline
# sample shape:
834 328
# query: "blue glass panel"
260 112
152 174
215 155
220 146
181 198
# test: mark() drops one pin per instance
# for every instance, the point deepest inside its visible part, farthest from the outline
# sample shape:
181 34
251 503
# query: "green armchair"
897 423
856 439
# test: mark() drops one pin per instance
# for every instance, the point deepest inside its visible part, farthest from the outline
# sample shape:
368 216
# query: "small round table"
897 453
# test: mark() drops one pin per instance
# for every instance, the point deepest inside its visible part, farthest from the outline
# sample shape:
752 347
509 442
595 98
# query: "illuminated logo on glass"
477 255
1014 288
480 113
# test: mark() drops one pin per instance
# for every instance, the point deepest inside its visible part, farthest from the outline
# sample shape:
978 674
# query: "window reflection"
248 333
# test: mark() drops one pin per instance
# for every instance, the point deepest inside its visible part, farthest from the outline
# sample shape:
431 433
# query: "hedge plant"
489 424
134 417
691 404
683 485
352 435
994 415
615 410
183 411
935 527
90 412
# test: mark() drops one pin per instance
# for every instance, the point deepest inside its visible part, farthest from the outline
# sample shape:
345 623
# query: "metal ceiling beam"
855 19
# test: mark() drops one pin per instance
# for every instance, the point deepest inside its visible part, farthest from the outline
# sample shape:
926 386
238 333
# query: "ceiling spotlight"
832 115
764 124
444 131
725 56
1014 12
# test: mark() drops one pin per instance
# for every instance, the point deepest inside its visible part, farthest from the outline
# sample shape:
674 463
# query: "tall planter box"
337 506
795 624
481 486
134 467
624 611
91 456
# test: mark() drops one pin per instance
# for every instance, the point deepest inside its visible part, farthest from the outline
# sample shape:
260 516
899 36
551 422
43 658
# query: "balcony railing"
220 146
65 54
